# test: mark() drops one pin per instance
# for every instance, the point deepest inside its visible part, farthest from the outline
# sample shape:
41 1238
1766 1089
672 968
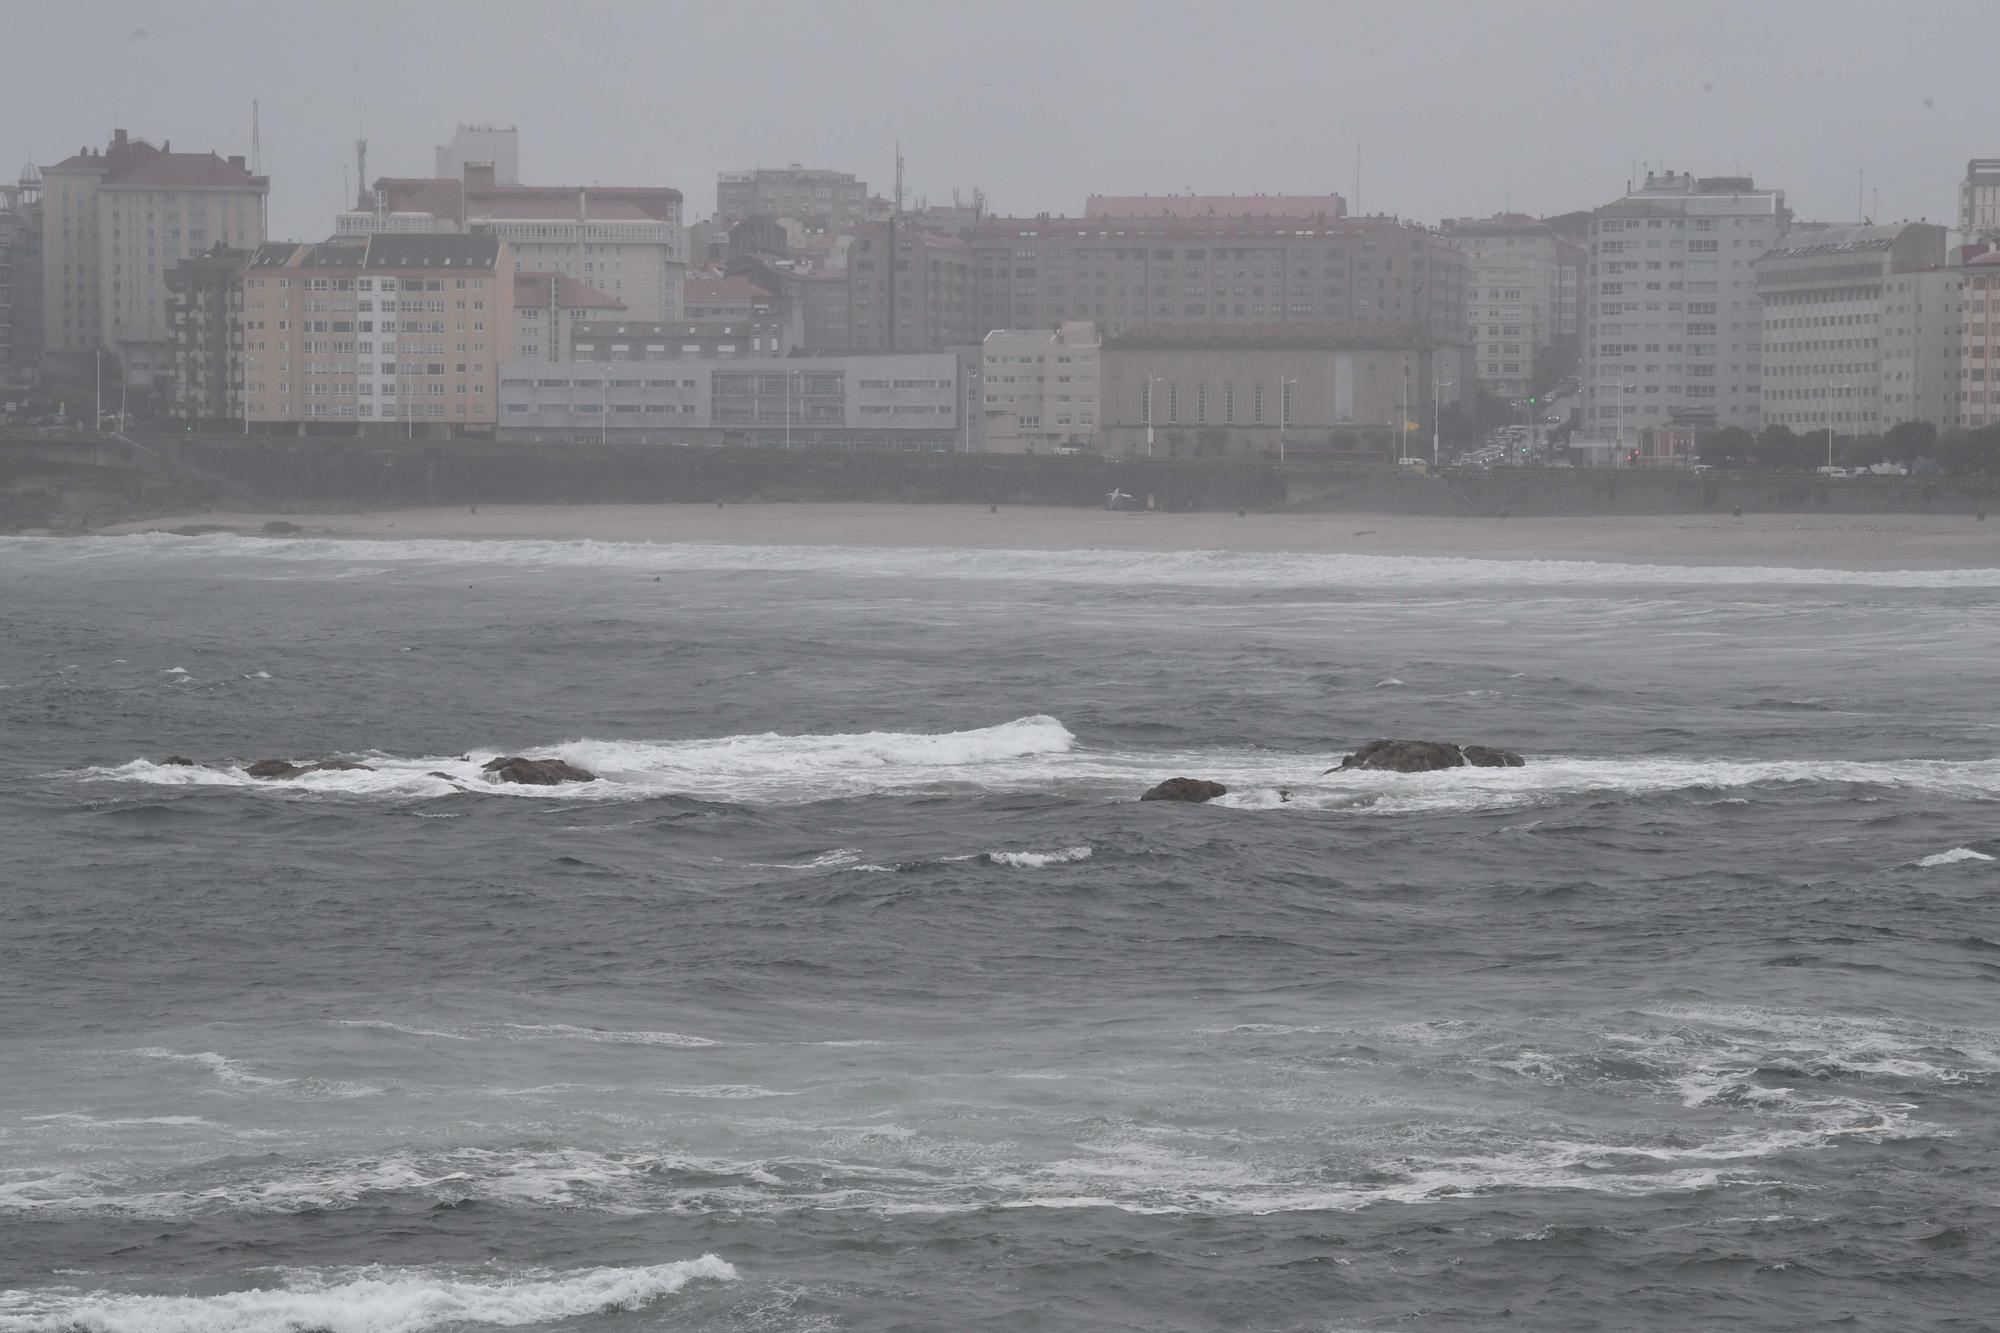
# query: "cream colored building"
116 221
1040 388
625 241
1515 271
377 335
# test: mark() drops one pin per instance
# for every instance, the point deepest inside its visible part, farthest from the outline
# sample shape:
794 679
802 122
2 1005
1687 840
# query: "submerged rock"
534 772
178 761
277 527
1192 790
1425 757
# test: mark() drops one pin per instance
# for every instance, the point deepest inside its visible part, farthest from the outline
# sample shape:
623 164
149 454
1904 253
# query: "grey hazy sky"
1461 107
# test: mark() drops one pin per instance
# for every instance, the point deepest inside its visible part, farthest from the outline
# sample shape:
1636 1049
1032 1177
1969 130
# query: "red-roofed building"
734 297
548 307
116 222
625 241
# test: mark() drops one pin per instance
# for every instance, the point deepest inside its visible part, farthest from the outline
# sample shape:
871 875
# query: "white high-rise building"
497 146
1518 298
1673 331
1041 388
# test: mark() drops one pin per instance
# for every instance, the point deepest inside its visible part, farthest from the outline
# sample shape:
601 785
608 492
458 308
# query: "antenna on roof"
361 165
256 143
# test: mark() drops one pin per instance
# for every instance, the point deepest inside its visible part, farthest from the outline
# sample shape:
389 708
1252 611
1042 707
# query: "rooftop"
137 164
1298 206
382 251
736 288
1271 337
533 289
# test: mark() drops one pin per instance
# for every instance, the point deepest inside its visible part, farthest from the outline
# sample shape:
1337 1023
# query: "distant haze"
1461 108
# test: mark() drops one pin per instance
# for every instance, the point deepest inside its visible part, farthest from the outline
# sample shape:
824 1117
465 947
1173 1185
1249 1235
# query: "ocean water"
863 994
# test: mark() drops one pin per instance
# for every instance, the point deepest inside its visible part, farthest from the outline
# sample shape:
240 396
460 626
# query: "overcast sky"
1460 108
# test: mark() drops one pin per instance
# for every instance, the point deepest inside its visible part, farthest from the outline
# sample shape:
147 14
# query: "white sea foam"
367 1300
234 1074
1037 860
570 1032
1040 754
1953 857
1227 569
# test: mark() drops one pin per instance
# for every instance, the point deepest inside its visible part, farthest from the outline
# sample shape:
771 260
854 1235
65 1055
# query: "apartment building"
1673 328
205 297
383 335
918 298
1978 291
1299 207
115 221
1840 342
1122 273
626 241
20 280
1979 200
1040 388
1276 391
904 401
760 335
1521 292
791 192
548 310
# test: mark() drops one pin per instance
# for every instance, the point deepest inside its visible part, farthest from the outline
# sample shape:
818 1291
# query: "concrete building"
205 296
1673 332
1829 356
626 241
378 335
1040 389
1923 337
1979 338
929 284
1522 293
1300 207
115 221
901 401
760 335
1122 273
548 310
1290 391
496 146
21 281
835 197
1979 200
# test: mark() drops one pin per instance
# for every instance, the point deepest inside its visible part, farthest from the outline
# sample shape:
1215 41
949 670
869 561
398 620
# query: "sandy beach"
1876 541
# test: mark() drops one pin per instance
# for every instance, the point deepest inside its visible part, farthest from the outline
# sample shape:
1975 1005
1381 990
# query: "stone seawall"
335 473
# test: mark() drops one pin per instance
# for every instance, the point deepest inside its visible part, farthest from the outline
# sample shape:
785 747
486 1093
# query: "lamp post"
1438 385
1284 415
788 406
1151 411
1829 426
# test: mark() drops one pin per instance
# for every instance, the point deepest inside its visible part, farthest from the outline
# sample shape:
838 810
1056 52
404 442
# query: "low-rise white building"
1041 388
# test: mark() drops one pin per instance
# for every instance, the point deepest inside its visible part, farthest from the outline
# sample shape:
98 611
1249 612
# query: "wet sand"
1872 541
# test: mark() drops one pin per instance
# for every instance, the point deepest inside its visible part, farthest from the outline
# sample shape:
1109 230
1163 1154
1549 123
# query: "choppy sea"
862 993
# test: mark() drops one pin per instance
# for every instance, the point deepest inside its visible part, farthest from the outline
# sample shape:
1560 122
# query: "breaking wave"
1953 857
367 1300
1212 568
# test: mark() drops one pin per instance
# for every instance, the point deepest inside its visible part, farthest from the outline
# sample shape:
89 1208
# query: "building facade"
900 401
115 221
1040 388
682 340
548 310
626 241
1306 207
1280 392
377 335
20 281
791 192
1673 330
205 296
920 297
1978 400
1521 295
1837 353
1123 273
496 146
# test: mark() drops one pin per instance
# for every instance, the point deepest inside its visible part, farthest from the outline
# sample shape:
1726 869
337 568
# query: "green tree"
1730 447
1907 441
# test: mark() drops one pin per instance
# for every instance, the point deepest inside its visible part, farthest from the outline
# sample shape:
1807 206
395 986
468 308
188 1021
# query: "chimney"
117 140
236 160
479 176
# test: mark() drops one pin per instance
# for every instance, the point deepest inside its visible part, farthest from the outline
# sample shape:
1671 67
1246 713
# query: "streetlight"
1284 414
1829 427
1438 385
1151 380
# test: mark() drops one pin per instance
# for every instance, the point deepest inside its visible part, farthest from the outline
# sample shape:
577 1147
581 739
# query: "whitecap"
366 1300
570 1032
1038 860
1953 857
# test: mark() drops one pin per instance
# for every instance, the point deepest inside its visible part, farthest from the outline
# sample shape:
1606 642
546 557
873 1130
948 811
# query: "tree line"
1916 445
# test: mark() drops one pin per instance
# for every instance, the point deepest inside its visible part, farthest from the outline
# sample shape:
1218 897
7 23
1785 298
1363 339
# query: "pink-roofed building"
116 221
548 308
625 241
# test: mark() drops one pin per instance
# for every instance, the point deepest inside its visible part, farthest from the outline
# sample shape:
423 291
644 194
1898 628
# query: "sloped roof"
532 289
737 288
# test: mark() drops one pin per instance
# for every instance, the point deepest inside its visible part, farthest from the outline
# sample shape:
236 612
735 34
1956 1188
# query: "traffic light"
1532 400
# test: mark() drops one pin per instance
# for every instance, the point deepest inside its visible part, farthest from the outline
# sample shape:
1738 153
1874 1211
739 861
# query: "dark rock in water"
435 774
284 768
178 761
277 527
1425 757
273 768
1192 790
1486 756
535 772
